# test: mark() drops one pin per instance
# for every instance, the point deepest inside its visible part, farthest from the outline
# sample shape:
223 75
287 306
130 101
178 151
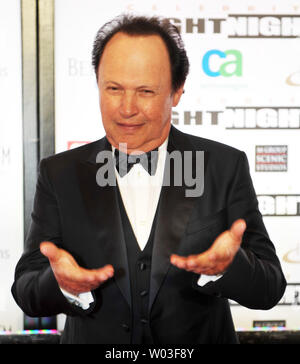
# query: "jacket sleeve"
35 288
254 278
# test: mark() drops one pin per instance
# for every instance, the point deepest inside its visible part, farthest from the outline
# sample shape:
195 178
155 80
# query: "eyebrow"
139 87
116 83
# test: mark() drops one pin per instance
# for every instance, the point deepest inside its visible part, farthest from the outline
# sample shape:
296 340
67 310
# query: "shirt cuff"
206 279
83 300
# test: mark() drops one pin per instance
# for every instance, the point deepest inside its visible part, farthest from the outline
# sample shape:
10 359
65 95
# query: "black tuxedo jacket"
73 211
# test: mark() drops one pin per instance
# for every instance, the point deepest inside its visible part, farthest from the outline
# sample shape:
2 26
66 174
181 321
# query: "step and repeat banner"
243 90
11 160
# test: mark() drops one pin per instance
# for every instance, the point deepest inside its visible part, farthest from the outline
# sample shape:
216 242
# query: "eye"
147 92
113 89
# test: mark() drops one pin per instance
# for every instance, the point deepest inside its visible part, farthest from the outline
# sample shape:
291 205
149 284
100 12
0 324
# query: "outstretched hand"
218 257
69 275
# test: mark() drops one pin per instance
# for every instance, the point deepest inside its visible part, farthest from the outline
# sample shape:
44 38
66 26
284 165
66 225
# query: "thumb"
50 250
237 229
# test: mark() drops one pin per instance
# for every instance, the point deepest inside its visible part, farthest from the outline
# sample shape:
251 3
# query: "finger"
179 261
92 278
237 230
192 262
50 251
83 280
100 275
227 244
199 264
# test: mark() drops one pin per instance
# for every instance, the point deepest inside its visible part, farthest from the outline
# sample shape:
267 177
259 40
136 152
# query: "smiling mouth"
130 127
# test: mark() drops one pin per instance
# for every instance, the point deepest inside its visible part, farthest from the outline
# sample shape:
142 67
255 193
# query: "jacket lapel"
102 207
173 214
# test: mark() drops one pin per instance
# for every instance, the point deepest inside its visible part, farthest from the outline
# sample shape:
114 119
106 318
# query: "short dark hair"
142 25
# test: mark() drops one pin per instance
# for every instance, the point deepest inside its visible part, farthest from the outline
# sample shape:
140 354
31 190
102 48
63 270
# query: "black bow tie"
124 162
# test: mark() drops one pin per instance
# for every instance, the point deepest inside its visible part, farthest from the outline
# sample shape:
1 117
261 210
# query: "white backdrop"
11 160
252 104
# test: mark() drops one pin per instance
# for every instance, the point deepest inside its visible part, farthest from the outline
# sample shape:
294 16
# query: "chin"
126 140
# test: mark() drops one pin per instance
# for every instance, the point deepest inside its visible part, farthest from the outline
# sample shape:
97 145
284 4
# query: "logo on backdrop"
271 158
232 65
262 117
243 25
293 255
279 205
240 117
291 295
3 72
293 79
79 68
196 117
5 156
4 254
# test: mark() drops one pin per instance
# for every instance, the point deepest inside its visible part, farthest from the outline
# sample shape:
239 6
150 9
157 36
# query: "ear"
177 95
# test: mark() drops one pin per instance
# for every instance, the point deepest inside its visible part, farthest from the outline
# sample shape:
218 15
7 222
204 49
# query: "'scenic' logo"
271 158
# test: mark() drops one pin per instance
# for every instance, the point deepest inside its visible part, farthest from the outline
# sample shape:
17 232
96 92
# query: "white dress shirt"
140 194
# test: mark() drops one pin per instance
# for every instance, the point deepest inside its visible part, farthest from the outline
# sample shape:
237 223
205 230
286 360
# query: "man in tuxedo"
139 260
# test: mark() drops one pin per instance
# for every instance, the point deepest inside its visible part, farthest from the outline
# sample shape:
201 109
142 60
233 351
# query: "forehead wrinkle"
139 58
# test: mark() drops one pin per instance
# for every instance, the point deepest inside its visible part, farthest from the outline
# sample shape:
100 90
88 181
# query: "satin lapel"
103 210
174 211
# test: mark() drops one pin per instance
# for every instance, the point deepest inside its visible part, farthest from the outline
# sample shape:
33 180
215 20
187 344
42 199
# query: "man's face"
135 88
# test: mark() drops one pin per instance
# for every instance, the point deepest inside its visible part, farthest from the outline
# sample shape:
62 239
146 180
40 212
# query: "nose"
128 107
